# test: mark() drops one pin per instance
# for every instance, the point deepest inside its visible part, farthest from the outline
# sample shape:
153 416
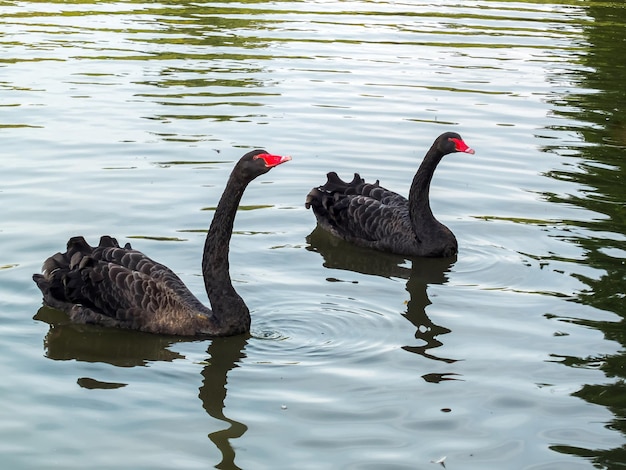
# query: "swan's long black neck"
229 309
419 200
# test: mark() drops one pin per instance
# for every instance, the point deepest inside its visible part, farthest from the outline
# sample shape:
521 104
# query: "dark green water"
598 168
125 119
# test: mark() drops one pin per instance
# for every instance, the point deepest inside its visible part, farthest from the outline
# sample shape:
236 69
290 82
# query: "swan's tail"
322 196
60 278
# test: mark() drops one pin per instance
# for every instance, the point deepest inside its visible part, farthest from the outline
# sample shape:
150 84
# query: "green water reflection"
599 167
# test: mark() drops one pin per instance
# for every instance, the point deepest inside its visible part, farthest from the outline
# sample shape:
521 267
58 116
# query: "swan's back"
118 286
363 213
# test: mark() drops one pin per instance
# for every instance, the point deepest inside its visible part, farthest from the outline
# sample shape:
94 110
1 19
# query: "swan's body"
117 286
369 215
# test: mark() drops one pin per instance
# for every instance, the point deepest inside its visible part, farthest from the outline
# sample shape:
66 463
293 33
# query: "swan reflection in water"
66 340
423 272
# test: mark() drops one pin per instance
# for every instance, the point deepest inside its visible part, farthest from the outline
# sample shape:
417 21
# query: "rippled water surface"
125 118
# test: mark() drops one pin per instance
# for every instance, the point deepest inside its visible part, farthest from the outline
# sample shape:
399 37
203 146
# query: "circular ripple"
497 268
291 332
476 259
501 269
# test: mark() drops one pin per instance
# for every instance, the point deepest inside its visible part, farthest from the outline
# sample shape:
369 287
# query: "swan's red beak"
461 146
272 160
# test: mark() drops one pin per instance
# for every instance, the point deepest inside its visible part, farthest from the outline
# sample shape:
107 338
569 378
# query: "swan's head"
258 162
450 142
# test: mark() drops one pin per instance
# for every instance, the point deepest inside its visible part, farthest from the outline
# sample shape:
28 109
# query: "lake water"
125 118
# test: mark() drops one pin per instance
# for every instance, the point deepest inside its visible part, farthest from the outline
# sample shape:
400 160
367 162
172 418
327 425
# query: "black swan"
369 215
113 286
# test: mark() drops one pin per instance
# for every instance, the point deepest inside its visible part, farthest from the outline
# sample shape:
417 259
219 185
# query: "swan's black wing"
117 286
363 213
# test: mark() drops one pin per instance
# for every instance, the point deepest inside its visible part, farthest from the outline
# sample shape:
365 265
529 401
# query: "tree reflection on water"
598 166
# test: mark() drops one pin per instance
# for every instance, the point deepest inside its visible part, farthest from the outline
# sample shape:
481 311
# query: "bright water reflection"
125 118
